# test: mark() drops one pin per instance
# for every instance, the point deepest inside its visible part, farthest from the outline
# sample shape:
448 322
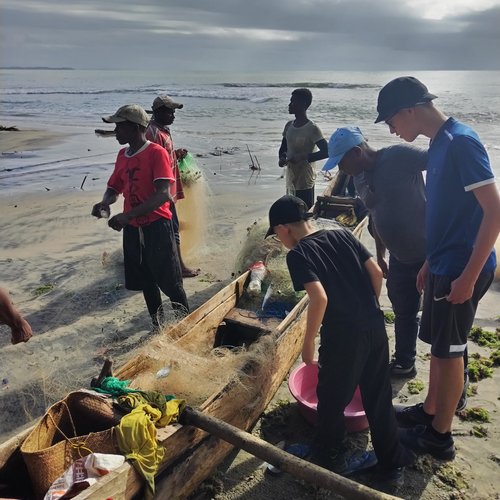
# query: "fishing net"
194 372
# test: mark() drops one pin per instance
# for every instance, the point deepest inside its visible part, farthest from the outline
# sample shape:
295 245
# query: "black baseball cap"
400 93
286 210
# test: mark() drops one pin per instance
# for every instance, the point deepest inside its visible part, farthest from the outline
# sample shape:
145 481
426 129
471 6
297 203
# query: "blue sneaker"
344 465
359 462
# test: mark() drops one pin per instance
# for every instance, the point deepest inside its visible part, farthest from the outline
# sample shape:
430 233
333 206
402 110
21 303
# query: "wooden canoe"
191 454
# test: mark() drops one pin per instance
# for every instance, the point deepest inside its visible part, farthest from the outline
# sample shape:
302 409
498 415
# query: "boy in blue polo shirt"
462 225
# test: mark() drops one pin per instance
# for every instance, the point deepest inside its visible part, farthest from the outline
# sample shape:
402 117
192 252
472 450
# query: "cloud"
242 35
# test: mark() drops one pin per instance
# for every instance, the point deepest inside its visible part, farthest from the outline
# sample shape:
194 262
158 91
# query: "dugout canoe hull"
191 454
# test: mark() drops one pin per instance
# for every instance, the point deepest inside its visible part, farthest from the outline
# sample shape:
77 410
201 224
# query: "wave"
313 85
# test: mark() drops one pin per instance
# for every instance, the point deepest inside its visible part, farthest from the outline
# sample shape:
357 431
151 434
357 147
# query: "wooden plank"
242 317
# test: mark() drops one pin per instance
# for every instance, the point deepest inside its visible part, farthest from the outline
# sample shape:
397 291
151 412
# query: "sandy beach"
63 269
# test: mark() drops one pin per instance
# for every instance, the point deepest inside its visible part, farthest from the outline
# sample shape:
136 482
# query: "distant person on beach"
462 224
143 174
389 181
10 316
300 137
158 131
343 283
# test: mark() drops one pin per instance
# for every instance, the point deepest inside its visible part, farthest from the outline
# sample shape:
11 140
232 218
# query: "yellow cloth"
136 435
170 410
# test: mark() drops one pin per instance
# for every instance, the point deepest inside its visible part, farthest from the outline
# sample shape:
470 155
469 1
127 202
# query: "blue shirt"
458 164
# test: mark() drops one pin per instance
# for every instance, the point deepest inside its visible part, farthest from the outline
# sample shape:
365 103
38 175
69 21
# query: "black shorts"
151 258
445 325
306 195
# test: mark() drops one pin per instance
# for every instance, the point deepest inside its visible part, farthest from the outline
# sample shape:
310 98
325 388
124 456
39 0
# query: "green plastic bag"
189 170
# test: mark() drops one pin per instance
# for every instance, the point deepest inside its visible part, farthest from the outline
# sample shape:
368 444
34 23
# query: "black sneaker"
389 480
462 402
421 440
398 370
333 460
409 416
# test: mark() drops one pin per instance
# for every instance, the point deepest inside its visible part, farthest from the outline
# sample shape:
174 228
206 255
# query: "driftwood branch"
106 371
281 459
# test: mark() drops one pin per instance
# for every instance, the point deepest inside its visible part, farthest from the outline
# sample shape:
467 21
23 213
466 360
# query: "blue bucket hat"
342 141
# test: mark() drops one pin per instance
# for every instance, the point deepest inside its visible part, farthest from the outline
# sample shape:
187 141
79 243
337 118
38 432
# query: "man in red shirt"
143 174
158 131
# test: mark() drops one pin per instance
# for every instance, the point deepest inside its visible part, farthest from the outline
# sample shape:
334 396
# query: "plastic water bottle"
257 274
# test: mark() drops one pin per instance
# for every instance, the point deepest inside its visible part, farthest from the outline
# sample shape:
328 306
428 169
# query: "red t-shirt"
134 177
161 135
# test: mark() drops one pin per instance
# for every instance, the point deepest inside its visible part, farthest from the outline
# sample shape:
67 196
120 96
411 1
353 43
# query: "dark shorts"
306 195
152 260
445 325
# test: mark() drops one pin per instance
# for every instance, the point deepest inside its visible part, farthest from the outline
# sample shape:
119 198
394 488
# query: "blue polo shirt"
457 164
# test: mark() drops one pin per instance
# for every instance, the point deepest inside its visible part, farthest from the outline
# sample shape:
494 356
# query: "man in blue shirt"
462 224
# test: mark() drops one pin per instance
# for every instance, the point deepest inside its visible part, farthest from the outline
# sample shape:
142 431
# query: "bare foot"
190 273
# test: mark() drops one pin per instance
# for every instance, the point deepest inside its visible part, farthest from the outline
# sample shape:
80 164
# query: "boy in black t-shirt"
343 283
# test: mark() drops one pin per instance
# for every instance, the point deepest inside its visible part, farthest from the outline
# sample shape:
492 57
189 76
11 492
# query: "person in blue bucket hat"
389 181
341 141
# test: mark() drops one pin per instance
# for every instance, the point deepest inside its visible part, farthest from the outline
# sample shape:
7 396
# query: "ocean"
223 113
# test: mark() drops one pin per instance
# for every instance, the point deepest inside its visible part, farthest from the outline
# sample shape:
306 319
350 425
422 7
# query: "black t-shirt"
336 259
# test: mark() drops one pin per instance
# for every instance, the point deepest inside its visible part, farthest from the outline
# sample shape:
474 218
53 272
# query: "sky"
251 35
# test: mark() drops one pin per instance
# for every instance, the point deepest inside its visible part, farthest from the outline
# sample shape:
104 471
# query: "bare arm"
20 328
110 196
282 153
322 146
381 250
315 312
375 273
489 199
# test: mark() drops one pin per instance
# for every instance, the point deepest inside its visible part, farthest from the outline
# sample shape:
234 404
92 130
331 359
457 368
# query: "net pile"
194 372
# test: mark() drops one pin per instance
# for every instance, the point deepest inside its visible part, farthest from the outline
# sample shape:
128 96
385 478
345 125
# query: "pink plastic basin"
302 384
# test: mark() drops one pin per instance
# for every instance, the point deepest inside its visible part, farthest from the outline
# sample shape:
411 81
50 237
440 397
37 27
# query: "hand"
282 161
119 221
99 209
308 350
422 277
461 290
383 265
21 331
180 153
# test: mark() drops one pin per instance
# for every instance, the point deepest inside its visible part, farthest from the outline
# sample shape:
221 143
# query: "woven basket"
80 424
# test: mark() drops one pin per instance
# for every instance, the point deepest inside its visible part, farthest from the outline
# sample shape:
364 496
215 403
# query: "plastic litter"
163 372
258 272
